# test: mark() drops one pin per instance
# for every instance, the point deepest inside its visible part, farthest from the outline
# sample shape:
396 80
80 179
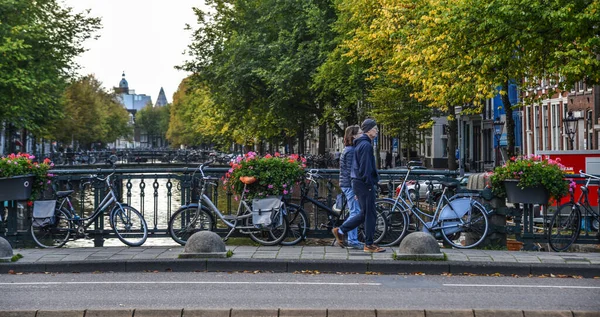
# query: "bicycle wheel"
564 227
466 225
53 235
397 222
298 225
381 227
129 225
272 234
188 220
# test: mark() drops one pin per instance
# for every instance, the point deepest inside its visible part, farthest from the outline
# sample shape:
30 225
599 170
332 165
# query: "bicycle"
127 222
195 217
565 226
298 219
460 220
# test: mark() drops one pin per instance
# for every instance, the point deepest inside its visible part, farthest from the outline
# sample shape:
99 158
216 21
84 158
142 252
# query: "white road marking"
523 286
199 282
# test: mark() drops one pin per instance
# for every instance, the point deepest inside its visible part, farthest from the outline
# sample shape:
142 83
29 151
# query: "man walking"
364 179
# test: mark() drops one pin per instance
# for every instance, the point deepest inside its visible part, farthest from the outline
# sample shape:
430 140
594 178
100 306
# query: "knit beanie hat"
367 125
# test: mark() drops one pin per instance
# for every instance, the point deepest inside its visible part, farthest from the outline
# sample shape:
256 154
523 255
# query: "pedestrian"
388 160
364 179
346 159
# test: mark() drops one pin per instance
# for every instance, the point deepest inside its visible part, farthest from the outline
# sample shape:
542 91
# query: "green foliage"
153 120
23 164
39 41
258 59
275 175
531 171
229 253
91 115
16 257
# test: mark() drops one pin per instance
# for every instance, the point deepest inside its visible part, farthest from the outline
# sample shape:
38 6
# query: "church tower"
162 99
123 85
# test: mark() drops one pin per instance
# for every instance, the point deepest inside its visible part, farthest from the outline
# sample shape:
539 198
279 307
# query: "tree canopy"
39 40
91 115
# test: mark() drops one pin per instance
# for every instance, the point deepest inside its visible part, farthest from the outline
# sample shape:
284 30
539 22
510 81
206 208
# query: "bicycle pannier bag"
265 211
43 213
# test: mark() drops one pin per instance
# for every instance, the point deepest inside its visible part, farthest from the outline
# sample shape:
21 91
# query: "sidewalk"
301 258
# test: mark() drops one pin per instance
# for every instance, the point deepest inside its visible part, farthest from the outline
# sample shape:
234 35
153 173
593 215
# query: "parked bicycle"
566 224
459 220
298 219
64 223
198 216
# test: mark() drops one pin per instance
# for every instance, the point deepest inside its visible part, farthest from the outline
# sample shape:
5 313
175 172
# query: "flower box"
22 178
528 195
16 187
531 179
514 245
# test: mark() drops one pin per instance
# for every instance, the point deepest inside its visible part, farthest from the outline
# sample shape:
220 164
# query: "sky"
143 38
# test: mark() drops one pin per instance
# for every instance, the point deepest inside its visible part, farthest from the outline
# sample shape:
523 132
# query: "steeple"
161 100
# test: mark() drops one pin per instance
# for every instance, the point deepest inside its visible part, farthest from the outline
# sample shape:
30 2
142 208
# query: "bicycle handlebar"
586 175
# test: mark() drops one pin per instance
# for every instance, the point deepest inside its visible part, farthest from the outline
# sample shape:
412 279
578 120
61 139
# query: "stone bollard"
419 246
204 244
6 251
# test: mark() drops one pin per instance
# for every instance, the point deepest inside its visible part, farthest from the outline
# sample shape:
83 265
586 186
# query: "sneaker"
356 246
373 249
339 238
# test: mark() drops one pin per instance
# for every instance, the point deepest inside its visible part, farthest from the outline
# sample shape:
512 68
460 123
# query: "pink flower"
285 192
270 186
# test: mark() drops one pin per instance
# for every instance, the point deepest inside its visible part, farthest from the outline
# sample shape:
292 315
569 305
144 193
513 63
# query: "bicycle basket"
43 213
265 212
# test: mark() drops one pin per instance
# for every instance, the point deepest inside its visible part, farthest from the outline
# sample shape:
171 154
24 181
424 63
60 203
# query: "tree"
458 52
38 43
154 121
91 115
258 59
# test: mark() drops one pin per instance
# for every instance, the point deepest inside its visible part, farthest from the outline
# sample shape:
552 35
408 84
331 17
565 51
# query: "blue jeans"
354 209
367 214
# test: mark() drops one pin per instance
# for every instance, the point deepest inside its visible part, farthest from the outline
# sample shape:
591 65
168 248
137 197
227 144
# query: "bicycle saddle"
64 193
450 184
247 179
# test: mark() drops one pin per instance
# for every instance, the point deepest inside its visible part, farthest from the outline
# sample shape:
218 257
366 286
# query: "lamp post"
498 128
570 124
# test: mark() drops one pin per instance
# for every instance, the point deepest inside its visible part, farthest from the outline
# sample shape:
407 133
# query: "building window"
545 127
428 146
528 118
555 132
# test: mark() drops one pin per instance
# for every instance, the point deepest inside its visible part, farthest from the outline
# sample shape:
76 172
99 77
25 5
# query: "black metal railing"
157 192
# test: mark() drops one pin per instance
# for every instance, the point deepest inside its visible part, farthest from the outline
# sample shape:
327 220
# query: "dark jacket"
363 166
346 166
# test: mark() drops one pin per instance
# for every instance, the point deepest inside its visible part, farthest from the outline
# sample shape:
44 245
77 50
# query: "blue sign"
395 145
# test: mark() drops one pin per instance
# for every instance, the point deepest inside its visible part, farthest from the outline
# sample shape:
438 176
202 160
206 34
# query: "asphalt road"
284 290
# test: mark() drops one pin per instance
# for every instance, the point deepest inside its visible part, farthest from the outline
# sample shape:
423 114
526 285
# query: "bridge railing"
157 192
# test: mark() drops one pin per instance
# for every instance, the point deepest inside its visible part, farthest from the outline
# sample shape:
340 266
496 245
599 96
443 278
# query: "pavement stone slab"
158 312
206 312
254 312
109 312
303 312
60 313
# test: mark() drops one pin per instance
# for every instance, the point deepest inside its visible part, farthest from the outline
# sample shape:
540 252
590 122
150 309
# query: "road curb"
286 312
291 266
